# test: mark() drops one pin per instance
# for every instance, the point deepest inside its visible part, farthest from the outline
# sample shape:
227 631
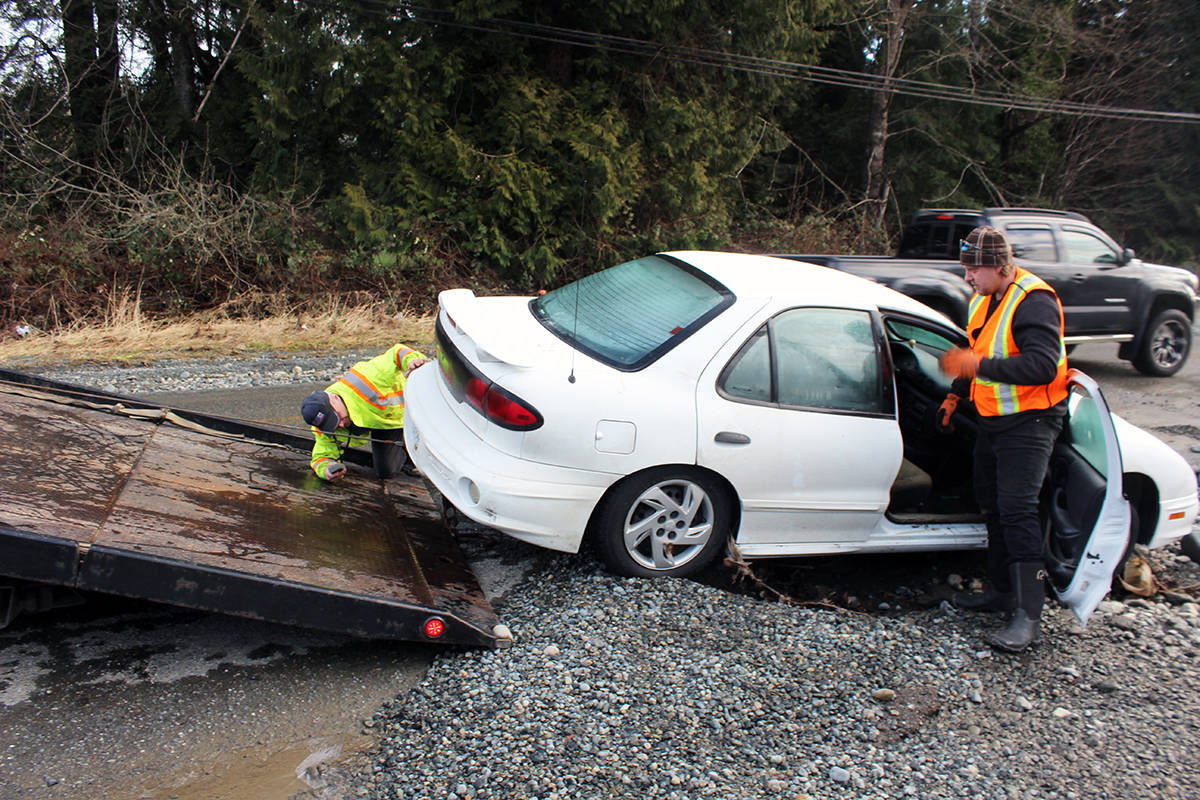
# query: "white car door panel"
1089 516
797 420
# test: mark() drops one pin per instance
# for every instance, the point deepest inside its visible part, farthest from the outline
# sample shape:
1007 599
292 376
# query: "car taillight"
468 385
500 406
476 391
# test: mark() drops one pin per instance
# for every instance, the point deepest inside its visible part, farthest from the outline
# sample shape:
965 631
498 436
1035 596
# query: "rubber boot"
999 595
988 600
1029 580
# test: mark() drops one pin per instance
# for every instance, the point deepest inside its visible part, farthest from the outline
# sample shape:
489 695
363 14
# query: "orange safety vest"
991 337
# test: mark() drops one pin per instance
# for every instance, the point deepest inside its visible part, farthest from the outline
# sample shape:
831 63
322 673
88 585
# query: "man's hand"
959 363
946 411
418 362
333 470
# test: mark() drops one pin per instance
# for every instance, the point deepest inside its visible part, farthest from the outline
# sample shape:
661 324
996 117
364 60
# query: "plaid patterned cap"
985 247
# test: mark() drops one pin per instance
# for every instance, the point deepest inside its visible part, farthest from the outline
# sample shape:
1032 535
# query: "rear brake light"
476 391
504 409
945 216
468 385
501 407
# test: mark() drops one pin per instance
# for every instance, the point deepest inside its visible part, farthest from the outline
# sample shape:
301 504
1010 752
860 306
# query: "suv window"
933 239
1032 244
1084 248
629 315
809 358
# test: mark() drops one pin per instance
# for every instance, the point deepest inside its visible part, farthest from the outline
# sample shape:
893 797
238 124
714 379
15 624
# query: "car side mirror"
1127 255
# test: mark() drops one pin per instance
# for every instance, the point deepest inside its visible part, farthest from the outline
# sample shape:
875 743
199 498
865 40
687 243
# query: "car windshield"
629 315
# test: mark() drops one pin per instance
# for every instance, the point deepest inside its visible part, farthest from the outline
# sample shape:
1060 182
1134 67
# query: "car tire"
1164 347
665 522
1190 545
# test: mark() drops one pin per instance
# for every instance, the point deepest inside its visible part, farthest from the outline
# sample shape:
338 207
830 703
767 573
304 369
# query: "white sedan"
661 406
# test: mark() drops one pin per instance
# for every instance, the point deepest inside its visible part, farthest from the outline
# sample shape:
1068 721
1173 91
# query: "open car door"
1088 526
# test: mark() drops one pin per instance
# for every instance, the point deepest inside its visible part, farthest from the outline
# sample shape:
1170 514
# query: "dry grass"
126 335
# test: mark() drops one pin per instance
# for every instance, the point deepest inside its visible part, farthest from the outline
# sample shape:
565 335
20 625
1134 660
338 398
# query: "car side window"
1032 244
809 358
1084 248
749 375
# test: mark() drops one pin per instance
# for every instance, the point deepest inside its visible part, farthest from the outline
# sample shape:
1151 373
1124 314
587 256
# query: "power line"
767 67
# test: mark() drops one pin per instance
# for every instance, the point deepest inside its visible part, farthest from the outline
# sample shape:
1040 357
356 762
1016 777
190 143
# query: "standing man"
365 403
1015 372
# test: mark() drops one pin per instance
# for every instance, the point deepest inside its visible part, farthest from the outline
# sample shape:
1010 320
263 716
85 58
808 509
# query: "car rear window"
629 315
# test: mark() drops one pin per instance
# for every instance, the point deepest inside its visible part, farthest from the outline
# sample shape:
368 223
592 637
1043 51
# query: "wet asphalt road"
122 699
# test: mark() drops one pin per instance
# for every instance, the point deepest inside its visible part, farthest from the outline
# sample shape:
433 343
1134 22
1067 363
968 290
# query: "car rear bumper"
545 505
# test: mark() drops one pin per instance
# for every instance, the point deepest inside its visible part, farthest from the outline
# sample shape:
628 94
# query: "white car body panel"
1142 453
543 505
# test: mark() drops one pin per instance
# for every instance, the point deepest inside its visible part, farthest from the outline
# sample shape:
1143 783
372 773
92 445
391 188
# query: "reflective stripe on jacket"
991 337
373 392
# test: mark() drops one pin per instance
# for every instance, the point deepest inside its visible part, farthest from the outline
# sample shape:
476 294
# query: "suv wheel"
1165 346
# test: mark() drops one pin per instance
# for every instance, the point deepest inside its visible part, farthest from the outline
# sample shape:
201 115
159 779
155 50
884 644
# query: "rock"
884 695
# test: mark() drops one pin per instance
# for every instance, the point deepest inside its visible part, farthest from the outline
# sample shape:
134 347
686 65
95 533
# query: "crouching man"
365 404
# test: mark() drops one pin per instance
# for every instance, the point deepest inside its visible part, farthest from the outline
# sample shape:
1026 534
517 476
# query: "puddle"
275 771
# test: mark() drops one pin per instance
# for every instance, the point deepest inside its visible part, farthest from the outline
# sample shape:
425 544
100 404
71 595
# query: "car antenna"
574 331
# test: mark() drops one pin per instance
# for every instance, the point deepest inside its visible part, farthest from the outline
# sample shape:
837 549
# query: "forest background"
242 156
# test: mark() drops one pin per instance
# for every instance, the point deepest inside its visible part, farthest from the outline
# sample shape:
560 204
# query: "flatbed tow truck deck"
113 494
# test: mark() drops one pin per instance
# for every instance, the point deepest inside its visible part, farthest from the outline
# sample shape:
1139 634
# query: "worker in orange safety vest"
364 405
1015 374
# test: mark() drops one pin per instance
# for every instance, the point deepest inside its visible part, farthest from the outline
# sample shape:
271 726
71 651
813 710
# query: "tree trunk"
84 81
887 60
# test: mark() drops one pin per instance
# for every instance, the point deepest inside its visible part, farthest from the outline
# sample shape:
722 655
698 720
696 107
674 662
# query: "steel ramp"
178 507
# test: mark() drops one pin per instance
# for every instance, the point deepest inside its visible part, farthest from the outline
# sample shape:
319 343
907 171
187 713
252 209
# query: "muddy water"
274 771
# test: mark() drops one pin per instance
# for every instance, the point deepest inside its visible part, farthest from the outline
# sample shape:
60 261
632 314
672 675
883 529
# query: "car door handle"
1078 277
729 437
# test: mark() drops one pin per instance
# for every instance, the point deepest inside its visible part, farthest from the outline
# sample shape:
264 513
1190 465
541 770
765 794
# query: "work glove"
946 411
333 470
959 363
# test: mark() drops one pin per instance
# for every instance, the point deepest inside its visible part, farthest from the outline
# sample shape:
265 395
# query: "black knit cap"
985 247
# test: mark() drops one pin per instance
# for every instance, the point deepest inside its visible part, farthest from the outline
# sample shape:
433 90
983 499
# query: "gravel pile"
676 689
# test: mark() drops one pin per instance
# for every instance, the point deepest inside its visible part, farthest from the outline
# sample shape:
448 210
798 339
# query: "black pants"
1010 466
387 451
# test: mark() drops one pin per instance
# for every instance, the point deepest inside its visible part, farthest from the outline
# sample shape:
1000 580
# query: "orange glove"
959 363
946 411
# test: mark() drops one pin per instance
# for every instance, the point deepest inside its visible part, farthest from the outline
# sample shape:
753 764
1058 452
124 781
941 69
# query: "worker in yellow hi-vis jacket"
365 404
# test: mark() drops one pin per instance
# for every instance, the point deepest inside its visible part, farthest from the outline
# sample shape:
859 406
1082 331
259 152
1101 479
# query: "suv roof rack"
1050 211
